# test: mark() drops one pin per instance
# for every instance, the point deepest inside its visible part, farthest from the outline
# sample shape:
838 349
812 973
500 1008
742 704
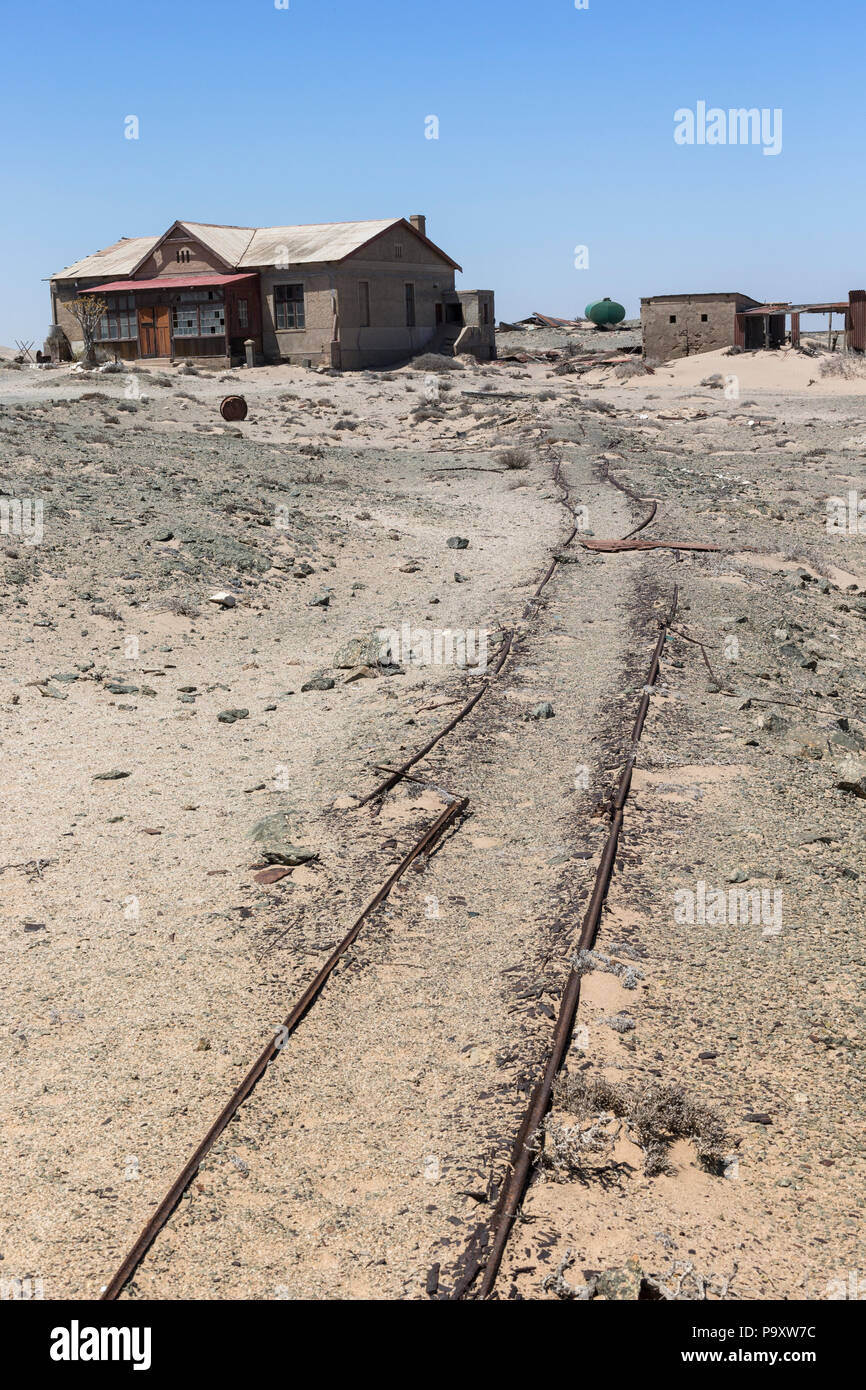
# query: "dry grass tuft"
514 459
846 365
183 607
654 1115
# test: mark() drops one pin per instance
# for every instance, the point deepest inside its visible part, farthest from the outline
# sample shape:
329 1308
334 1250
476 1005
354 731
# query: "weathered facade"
676 325
342 294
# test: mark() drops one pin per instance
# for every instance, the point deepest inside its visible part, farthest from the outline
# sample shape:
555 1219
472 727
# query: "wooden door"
153 331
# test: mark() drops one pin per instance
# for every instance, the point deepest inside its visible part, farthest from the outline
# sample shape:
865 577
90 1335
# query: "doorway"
153 331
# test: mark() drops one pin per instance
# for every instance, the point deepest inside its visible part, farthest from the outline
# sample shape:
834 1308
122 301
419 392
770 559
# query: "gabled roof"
247 247
228 243
322 241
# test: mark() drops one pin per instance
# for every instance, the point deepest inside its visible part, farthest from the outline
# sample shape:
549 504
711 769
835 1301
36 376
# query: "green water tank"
605 311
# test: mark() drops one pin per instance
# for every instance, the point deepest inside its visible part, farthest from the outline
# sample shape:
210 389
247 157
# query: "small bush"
514 459
843 365
183 607
655 1115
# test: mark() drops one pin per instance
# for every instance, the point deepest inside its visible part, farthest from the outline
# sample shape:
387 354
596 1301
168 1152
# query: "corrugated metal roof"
838 307
249 246
229 242
119 259
319 241
166 282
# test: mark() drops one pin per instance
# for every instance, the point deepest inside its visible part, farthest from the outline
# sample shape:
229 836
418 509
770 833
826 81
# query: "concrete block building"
675 325
341 294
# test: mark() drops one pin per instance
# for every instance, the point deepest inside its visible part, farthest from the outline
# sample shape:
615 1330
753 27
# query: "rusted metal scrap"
233 408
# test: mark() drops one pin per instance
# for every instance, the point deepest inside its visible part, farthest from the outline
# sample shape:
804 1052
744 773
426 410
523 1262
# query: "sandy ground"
146 966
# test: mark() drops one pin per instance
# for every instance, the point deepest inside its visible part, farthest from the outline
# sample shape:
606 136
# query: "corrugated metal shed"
119 259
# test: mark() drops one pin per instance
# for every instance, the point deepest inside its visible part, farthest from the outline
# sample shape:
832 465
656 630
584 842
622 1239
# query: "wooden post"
795 330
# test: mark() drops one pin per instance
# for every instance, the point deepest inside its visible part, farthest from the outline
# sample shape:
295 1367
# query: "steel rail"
517 1178
157 1221
470 704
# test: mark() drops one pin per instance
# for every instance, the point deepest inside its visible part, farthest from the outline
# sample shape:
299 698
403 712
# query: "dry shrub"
633 368
654 1114
183 607
845 365
514 459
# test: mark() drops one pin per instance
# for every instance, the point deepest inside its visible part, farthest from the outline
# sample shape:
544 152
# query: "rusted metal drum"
233 408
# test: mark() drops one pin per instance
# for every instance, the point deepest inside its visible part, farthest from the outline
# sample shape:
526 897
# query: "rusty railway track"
496 1234
514 1187
160 1217
299 1010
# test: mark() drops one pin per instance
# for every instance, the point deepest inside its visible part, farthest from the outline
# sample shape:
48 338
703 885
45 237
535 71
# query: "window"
182 255
197 315
243 316
120 321
410 306
364 302
289 306
398 251
672 319
485 312
703 318
211 319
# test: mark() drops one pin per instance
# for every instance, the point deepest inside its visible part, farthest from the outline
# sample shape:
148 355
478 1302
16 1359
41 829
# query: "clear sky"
556 130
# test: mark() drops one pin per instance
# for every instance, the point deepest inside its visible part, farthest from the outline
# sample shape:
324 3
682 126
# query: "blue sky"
555 130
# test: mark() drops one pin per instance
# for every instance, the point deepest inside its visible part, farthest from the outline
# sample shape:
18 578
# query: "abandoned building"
677 325
340 294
